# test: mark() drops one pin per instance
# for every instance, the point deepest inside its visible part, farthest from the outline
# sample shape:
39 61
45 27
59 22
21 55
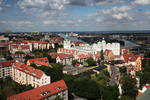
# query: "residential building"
20 57
4 46
108 55
19 48
6 69
46 92
134 60
24 74
65 59
39 62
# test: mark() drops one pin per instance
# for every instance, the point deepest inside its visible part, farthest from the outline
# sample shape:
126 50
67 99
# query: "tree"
99 61
110 93
27 57
91 62
74 62
129 86
87 88
125 98
102 55
58 98
113 62
9 58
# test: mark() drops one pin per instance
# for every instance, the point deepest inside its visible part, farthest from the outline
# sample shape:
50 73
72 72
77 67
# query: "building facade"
4 46
27 75
6 69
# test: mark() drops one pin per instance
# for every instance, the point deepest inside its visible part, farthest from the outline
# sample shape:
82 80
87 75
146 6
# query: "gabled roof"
29 70
130 57
7 63
41 92
63 50
107 52
98 55
40 61
65 56
84 56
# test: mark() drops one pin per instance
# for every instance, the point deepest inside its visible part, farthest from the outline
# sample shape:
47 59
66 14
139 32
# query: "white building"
6 69
27 75
94 48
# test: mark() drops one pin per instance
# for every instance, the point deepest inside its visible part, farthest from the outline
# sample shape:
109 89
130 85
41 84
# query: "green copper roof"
103 41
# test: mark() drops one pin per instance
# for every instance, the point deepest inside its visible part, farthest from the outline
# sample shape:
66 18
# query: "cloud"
115 13
41 5
142 2
16 22
3 5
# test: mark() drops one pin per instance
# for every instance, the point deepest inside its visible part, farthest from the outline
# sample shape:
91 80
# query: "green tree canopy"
91 62
74 62
87 88
129 86
110 93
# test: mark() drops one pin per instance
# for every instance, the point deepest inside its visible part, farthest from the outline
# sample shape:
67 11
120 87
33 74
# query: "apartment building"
6 68
24 74
4 43
46 92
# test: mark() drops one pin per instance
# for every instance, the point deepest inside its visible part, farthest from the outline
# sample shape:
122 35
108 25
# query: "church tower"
67 43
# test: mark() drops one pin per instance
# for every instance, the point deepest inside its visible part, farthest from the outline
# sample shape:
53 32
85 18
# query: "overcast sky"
74 15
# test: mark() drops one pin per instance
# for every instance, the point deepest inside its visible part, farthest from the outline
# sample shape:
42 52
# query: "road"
115 76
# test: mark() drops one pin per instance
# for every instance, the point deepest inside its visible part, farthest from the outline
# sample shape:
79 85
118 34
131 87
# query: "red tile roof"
65 56
84 56
7 63
107 52
25 46
130 57
98 55
67 51
29 70
41 92
40 61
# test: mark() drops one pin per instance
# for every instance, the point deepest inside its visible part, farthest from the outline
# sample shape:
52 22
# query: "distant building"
82 52
27 75
19 48
133 60
108 55
6 69
65 59
46 92
4 46
20 57
39 62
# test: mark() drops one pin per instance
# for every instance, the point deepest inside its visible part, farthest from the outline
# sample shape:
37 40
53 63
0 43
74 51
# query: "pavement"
115 76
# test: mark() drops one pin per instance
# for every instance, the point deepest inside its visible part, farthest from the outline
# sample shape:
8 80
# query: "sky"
74 15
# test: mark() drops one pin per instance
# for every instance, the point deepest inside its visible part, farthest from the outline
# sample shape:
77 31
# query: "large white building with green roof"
94 48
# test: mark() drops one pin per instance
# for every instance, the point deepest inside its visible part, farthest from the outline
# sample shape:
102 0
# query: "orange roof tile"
64 56
41 92
7 63
29 70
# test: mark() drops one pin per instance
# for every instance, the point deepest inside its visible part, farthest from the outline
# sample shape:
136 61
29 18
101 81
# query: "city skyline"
74 15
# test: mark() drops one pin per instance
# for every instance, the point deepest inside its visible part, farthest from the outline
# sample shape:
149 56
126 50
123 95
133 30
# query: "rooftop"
41 92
